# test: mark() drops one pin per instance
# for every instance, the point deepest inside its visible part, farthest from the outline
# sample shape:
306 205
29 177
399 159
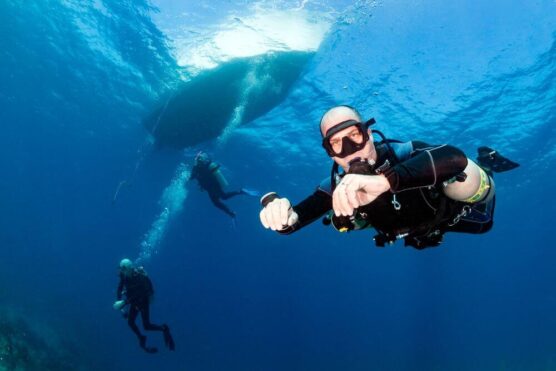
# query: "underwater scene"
141 140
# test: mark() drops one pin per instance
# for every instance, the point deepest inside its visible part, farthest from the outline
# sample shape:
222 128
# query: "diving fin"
493 161
250 192
143 344
168 340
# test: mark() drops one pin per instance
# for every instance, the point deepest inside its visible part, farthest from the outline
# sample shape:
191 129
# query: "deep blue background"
76 79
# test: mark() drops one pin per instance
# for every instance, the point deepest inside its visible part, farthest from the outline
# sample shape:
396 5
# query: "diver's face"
354 135
203 160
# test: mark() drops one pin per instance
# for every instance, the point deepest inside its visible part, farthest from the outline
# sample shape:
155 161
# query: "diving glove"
277 213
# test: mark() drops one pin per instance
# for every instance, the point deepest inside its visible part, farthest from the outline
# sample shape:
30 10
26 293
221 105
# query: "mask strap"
370 122
341 126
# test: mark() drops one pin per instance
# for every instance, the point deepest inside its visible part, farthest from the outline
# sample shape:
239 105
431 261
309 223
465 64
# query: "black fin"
151 350
143 344
168 340
493 161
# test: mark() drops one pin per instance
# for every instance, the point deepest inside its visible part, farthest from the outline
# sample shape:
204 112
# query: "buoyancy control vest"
419 216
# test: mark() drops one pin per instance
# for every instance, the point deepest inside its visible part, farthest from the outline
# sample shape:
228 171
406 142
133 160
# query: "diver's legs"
133 311
148 326
479 220
226 195
145 316
465 226
132 316
219 204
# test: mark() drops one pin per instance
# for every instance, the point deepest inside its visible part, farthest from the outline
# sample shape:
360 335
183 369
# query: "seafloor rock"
24 348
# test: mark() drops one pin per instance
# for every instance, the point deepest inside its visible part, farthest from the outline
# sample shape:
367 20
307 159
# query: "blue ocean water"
77 79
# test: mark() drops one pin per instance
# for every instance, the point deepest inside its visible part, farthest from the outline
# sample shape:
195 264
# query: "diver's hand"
119 304
357 190
278 214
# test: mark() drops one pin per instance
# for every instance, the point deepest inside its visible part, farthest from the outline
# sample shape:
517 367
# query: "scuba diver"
138 290
404 190
210 179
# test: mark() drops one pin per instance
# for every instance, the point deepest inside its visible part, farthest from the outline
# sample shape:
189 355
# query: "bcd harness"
443 211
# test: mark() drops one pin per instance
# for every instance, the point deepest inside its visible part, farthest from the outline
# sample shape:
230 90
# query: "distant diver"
138 290
404 190
210 179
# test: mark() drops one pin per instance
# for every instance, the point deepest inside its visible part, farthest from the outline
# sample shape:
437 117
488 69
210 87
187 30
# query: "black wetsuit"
205 176
415 209
138 290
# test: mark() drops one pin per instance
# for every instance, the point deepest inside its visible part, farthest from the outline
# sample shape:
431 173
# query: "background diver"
138 290
411 191
210 179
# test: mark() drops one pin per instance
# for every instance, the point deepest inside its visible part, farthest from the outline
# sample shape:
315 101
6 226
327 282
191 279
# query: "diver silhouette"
210 179
138 290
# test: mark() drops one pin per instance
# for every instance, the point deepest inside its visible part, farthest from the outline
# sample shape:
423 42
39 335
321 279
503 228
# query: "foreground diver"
138 290
210 179
411 191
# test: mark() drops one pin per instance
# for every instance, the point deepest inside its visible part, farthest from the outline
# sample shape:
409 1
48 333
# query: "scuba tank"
215 169
204 162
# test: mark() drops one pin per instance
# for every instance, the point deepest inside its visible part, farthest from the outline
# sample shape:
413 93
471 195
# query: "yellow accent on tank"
483 189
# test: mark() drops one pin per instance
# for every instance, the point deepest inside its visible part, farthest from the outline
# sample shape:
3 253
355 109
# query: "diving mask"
349 144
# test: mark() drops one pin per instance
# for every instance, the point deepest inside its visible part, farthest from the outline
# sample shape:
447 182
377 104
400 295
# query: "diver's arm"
475 184
120 289
219 204
310 209
427 166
